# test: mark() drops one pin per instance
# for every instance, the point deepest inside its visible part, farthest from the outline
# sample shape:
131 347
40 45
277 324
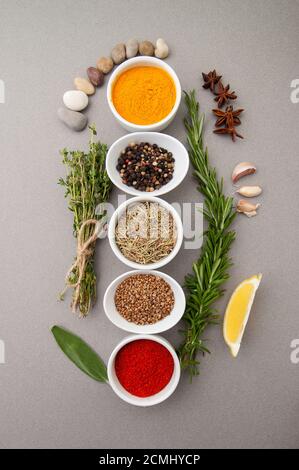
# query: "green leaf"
80 354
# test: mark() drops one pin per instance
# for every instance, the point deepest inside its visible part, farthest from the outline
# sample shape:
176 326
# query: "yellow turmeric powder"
144 95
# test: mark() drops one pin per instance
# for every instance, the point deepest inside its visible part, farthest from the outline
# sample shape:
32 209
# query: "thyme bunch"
87 188
210 271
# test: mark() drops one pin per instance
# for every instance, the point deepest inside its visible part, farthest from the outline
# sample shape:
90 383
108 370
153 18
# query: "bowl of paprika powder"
144 370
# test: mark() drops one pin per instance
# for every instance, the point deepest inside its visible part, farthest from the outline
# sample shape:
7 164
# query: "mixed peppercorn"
145 166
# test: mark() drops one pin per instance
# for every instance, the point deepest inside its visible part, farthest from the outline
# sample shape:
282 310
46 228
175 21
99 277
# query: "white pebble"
75 100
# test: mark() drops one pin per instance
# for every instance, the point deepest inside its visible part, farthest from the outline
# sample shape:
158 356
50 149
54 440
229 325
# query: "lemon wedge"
237 312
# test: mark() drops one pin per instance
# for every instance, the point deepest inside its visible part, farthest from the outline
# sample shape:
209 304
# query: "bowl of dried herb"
145 232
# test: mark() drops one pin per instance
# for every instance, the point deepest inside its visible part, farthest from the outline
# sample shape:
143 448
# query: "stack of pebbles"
77 100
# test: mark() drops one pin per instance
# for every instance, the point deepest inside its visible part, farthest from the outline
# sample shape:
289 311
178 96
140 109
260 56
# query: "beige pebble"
146 48
162 49
105 64
83 84
118 53
132 47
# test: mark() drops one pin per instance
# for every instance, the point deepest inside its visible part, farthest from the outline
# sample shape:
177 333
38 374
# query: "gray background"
44 400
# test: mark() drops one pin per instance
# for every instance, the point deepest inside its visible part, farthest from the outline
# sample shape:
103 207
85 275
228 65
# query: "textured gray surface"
45 401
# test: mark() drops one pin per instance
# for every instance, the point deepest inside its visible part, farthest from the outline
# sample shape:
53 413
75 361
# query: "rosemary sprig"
87 187
211 269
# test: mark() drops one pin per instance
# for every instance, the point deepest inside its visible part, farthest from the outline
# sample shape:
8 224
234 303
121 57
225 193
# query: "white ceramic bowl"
144 61
163 325
154 399
173 145
113 223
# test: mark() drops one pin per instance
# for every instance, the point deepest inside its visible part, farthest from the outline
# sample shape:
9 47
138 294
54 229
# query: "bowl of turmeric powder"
144 94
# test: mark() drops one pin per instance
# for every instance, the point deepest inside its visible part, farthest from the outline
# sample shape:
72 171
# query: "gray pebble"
146 48
73 119
118 53
132 47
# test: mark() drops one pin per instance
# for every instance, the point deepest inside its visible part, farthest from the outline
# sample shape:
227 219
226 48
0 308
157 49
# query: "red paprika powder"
144 367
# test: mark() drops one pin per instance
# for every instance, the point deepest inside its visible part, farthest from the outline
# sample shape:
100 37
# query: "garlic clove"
250 214
245 206
243 169
249 191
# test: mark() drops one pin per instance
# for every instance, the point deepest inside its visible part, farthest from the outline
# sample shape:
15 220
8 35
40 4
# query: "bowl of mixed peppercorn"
147 162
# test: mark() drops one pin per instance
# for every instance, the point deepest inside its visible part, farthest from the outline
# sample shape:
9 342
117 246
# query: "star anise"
230 131
228 116
210 79
224 95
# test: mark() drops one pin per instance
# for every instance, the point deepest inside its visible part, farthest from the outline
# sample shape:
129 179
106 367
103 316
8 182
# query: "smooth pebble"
132 47
73 119
105 64
118 53
76 100
83 84
96 76
162 49
146 48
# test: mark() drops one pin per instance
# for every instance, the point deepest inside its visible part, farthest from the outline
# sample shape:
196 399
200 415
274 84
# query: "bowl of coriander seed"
145 302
